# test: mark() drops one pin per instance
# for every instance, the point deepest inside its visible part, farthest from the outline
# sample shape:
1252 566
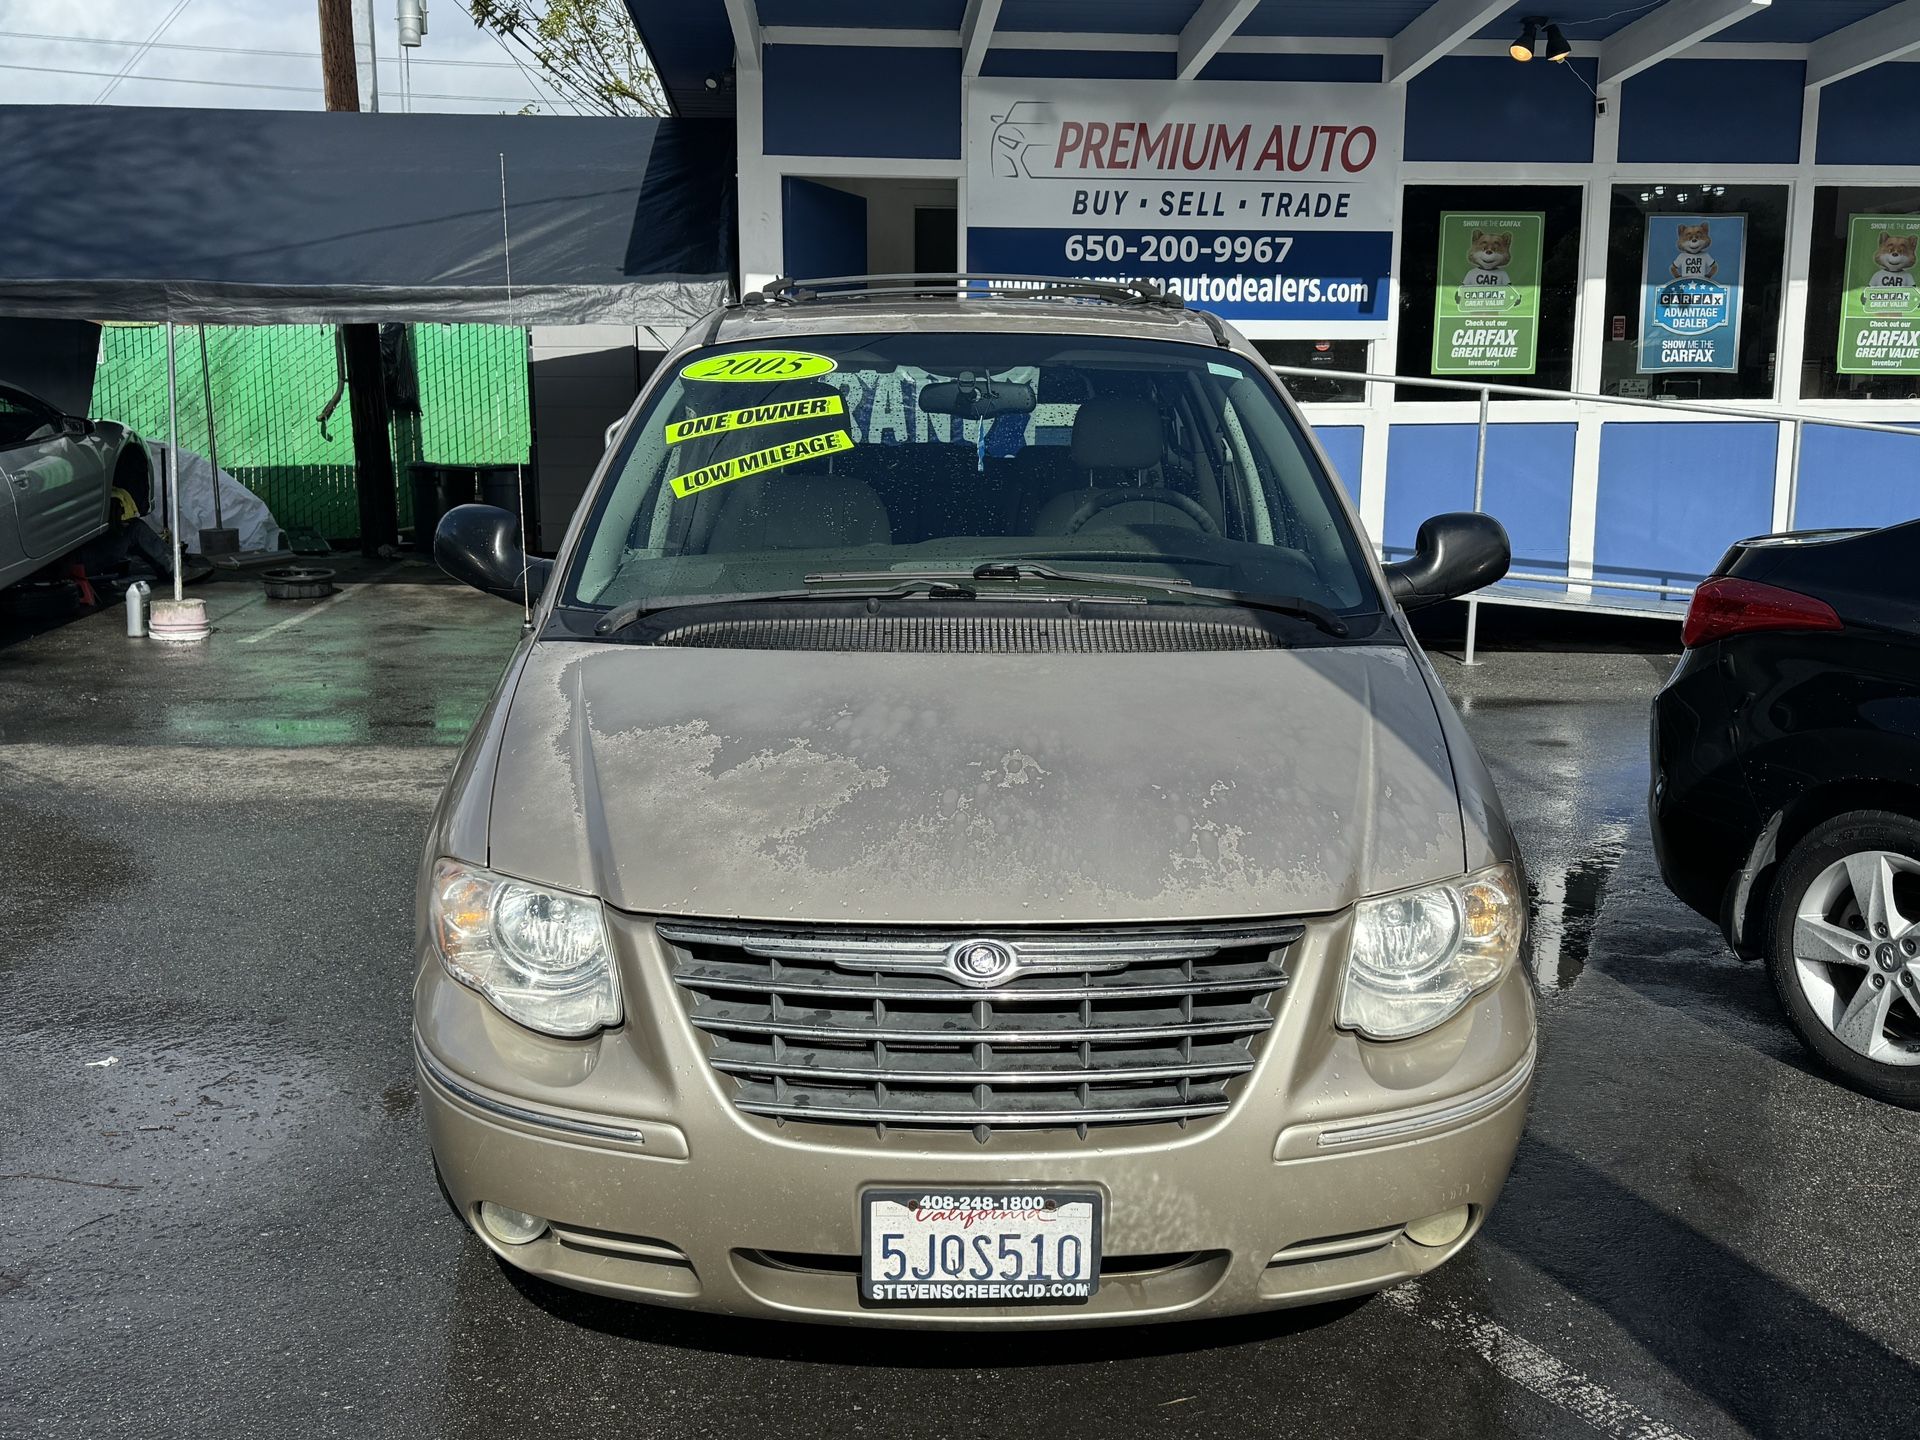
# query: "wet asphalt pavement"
218 1217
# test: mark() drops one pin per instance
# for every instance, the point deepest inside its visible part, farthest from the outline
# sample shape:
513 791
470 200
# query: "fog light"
510 1227
1442 1229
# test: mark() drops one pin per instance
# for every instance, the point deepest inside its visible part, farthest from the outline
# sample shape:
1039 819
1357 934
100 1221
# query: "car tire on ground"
1843 947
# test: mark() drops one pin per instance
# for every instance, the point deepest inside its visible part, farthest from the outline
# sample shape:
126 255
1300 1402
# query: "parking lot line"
346 593
1530 1367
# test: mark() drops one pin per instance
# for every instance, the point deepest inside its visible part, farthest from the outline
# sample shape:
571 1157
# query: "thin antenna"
519 467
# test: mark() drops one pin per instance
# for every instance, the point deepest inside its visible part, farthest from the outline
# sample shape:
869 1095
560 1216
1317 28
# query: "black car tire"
1844 835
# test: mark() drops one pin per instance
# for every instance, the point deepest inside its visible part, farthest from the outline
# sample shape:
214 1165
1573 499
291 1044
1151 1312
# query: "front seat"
1116 442
798 512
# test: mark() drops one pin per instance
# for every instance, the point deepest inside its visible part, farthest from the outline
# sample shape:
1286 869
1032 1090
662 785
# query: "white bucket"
178 620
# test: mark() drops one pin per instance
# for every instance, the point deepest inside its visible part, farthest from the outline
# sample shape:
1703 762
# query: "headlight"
541 956
1418 957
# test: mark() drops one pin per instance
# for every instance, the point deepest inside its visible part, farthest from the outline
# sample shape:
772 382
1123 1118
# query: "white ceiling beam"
976 34
1663 33
1211 27
1434 33
744 17
1892 33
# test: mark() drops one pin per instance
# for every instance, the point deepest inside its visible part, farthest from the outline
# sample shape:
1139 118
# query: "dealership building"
1666 249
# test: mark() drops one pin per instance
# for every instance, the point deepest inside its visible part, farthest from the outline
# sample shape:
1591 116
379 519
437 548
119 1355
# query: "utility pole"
366 387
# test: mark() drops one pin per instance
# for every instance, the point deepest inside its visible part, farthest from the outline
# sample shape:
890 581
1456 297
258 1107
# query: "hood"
963 789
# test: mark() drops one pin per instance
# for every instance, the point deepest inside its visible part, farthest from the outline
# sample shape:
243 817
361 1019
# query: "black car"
1786 785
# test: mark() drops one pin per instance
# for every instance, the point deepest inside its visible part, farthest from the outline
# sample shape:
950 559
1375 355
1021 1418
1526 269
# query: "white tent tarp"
240 508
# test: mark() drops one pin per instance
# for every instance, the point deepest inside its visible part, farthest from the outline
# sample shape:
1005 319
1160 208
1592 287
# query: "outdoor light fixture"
1539 37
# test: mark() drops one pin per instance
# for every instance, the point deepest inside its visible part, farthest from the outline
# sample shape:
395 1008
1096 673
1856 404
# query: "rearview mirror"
981 399
1453 554
480 544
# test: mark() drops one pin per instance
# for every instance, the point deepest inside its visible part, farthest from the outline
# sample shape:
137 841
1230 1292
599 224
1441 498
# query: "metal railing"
1486 390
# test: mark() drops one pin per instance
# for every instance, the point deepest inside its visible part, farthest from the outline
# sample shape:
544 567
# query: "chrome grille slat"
897 1033
1091 1075
900 1116
738 979
1097 1028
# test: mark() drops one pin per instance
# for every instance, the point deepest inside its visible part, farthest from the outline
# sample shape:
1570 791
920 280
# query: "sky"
458 69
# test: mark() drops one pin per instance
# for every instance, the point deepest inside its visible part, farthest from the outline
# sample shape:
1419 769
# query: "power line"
237 50
141 54
257 85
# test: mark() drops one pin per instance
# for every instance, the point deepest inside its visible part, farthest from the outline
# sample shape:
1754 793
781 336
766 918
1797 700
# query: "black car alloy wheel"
1844 949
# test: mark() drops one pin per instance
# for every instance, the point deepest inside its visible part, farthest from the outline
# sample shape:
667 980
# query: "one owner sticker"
772 458
761 365
701 426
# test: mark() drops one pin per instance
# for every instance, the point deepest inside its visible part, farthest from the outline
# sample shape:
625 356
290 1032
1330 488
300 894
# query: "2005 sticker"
772 458
760 365
720 424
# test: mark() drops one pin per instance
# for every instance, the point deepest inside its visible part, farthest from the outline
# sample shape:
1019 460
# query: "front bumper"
658 1189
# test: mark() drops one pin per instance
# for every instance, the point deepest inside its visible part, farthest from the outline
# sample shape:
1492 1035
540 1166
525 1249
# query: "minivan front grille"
886 1028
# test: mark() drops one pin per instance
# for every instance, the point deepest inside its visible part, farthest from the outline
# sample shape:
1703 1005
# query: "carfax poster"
1880 307
1690 285
1486 303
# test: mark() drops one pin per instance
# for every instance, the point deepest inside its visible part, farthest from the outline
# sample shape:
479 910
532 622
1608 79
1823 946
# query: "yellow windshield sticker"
761 365
703 425
773 457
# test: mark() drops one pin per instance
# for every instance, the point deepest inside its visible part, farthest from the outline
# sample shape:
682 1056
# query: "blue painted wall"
1857 477
1358 69
1871 118
1735 112
1346 447
1673 496
862 100
1529 485
1082 64
824 230
1485 107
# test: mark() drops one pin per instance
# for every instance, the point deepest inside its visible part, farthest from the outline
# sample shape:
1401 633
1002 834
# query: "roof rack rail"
960 285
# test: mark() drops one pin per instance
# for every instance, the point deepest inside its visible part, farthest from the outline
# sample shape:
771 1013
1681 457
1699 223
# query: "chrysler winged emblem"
982 962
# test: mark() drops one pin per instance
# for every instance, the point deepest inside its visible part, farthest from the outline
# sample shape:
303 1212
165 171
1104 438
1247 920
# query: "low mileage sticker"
774 457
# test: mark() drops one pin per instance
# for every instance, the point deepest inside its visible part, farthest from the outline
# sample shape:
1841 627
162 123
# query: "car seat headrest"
1110 433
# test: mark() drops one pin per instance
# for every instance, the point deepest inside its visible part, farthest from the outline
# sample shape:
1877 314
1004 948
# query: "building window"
1693 291
1863 295
1319 355
1489 277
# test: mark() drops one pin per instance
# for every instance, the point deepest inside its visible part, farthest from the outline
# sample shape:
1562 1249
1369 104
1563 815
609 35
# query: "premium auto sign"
1274 206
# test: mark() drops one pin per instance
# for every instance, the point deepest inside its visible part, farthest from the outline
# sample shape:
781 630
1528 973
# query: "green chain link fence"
271 382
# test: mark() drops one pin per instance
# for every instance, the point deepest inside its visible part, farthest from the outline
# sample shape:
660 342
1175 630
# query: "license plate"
993 1247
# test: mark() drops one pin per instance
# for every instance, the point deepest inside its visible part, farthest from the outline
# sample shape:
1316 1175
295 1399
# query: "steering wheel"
1153 495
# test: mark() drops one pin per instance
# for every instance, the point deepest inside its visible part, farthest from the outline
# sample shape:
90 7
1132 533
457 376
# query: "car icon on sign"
1026 123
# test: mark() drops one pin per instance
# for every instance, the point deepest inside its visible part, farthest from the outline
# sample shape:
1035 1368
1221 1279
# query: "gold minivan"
969 839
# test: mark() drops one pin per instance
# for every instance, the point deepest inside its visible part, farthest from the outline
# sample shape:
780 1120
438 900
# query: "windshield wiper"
1296 605
621 616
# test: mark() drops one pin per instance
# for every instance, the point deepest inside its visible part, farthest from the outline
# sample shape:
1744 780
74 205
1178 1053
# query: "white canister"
137 594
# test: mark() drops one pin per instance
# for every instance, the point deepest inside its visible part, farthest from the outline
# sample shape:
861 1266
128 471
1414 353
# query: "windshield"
763 468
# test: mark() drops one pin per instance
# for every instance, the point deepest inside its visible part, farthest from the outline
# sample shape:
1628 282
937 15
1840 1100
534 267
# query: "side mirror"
1453 554
76 426
480 544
